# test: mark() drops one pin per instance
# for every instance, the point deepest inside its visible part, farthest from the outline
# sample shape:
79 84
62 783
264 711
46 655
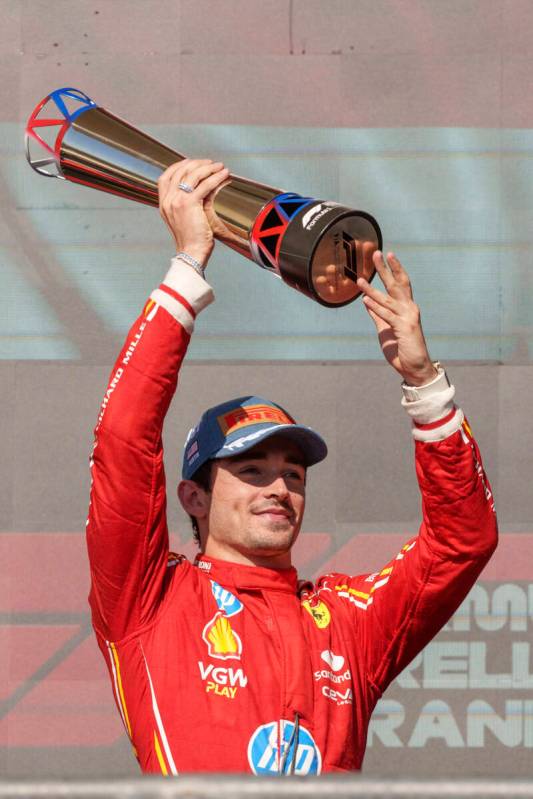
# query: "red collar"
248 577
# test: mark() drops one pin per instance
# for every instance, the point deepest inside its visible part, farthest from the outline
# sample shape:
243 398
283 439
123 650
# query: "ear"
193 498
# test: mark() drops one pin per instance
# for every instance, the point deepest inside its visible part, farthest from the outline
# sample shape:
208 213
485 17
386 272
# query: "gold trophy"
318 247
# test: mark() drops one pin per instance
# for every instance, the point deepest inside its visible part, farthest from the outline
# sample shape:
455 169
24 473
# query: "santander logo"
335 662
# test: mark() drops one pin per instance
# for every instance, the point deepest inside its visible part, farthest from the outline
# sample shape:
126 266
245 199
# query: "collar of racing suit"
244 577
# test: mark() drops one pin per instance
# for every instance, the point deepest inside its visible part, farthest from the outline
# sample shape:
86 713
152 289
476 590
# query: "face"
256 504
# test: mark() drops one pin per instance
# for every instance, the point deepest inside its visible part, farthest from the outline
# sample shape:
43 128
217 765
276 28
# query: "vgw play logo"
267 756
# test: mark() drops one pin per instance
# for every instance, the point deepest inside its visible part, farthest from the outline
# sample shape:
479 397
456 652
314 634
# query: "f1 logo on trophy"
317 247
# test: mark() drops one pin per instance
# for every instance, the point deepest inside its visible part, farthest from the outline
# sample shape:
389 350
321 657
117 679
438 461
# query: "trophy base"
318 247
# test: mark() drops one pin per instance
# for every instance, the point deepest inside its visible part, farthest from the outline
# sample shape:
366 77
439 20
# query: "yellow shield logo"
319 611
222 642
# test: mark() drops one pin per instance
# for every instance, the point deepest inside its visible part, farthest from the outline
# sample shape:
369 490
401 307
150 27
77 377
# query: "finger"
176 173
165 178
377 295
383 270
195 177
210 184
190 164
173 194
397 269
169 181
164 182
379 323
382 312
194 171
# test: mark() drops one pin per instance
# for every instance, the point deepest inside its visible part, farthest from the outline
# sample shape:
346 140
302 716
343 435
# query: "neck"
265 559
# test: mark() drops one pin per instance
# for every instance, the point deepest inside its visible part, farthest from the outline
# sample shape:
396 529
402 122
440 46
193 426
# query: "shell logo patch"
319 611
222 642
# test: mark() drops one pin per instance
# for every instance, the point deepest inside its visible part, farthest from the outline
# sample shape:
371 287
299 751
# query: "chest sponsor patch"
337 672
222 681
222 641
274 749
335 662
225 600
341 696
340 692
319 611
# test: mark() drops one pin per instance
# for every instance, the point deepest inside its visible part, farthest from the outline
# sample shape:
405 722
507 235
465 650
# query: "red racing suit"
221 667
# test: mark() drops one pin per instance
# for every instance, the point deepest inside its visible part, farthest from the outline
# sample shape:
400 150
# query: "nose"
277 488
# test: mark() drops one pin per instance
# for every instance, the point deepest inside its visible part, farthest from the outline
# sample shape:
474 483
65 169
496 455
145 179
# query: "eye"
294 475
250 469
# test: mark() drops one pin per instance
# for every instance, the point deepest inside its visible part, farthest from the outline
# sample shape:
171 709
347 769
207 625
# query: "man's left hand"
397 320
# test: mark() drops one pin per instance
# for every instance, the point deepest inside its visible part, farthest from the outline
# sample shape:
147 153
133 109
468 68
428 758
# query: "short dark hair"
203 478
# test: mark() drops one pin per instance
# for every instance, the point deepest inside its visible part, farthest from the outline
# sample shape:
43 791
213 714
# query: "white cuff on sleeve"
430 408
430 403
186 281
435 386
183 293
438 432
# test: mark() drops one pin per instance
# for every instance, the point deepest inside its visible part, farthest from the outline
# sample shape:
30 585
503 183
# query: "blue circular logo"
266 756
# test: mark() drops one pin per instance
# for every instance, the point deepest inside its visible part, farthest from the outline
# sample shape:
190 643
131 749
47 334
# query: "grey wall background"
418 111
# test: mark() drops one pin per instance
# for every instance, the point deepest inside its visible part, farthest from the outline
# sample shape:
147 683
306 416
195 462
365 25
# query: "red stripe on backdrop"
55 569
27 647
71 706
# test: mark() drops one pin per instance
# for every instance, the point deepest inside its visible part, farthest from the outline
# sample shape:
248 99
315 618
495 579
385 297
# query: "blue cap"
239 424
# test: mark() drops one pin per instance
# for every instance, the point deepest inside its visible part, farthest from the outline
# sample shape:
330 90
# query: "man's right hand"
184 212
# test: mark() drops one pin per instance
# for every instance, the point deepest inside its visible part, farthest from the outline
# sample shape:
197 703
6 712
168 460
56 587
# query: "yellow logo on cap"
252 414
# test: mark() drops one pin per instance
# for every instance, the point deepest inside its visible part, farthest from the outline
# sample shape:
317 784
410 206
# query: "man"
230 663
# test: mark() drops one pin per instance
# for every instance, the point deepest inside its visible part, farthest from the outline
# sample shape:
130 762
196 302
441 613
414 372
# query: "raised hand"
185 212
397 320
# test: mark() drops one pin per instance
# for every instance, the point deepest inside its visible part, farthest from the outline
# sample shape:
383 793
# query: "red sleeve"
399 609
127 535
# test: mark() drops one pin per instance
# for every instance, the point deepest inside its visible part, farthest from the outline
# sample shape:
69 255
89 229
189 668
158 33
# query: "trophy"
318 247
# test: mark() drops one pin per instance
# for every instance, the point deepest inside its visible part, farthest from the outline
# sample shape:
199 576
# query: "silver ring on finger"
185 187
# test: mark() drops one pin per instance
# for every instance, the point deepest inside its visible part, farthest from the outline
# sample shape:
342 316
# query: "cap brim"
311 444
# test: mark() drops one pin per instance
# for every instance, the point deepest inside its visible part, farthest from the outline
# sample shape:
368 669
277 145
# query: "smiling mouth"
278 513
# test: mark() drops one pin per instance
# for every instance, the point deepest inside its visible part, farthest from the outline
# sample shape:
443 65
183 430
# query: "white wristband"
439 383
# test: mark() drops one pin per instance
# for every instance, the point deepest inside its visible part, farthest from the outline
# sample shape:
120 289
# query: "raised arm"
127 534
397 610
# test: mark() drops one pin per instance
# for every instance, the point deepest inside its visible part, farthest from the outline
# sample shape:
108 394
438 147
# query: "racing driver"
231 663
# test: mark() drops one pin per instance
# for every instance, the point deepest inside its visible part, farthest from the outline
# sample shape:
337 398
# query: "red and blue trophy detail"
270 226
47 126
